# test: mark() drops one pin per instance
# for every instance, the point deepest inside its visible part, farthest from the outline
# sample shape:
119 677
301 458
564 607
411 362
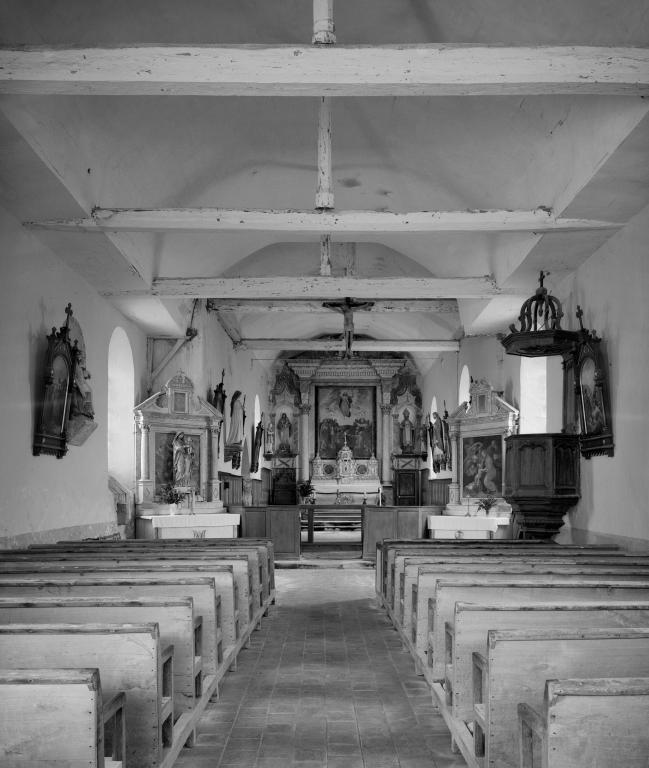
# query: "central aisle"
324 683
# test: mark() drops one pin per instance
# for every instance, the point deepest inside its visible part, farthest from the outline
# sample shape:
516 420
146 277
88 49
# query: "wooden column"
323 22
324 198
213 481
386 411
305 473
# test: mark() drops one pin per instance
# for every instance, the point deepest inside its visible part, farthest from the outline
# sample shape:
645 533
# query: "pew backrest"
129 658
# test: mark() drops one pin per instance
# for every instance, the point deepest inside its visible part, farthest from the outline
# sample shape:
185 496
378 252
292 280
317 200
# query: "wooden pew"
433 552
467 633
223 575
518 664
59 717
177 623
202 591
528 591
415 569
405 572
417 625
265 548
129 657
244 567
587 722
388 552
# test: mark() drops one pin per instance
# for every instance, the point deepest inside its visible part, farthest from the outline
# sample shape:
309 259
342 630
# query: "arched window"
464 393
121 401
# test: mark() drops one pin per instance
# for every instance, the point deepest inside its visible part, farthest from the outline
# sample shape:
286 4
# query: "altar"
346 480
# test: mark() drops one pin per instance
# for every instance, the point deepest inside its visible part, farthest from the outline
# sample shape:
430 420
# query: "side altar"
178 436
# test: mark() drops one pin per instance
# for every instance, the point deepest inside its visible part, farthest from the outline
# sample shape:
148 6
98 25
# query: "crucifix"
347 308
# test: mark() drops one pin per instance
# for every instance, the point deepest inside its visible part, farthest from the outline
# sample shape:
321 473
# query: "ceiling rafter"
325 70
360 345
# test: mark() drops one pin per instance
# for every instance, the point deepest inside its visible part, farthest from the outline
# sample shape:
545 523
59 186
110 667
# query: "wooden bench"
406 566
437 550
244 567
265 546
59 717
129 657
177 623
223 576
202 590
524 591
385 552
587 722
467 633
264 550
417 624
519 662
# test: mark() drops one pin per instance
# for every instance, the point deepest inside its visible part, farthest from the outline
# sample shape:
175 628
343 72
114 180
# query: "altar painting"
345 414
482 468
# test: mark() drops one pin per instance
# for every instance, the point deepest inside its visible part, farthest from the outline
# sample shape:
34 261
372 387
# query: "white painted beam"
326 70
435 306
359 345
325 288
318 223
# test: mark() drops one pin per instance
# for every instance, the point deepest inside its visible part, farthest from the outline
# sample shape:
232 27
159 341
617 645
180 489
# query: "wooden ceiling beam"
325 288
435 306
318 223
359 345
325 70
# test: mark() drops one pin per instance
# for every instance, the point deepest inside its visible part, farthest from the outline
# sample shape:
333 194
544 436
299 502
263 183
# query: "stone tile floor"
325 684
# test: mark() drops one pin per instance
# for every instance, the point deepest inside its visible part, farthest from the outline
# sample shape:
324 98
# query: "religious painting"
345 415
166 469
596 433
482 465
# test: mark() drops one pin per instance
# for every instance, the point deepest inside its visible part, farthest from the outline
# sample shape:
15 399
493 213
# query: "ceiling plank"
359 345
284 287
436 306
319 222
288 70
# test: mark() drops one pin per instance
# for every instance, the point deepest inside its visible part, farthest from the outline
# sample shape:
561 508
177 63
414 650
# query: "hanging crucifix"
347 308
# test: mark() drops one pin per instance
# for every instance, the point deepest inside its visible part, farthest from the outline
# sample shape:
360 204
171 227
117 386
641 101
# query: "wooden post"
325 255
323 22
324 197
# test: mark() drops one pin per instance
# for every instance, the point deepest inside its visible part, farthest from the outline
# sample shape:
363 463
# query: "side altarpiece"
178 436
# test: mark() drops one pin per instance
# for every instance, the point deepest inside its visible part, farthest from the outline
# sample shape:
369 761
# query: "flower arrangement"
169 495
305 488
487 503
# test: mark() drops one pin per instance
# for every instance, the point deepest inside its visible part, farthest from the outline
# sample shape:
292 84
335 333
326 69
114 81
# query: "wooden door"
406 485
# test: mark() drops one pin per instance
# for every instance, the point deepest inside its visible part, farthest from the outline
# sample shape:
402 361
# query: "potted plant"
487 503
306 490
171 496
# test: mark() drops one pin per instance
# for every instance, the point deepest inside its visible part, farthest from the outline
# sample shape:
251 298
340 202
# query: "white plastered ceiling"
579 155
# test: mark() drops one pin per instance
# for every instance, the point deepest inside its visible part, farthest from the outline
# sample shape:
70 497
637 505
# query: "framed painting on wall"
345 414
482 465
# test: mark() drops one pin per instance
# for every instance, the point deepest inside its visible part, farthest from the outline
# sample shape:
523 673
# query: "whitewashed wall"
612 287
42 497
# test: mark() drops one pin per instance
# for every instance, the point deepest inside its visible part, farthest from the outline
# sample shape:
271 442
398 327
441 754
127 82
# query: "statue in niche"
237 419
439 444
407 432
183 460
270 438
218 401
284 432
259 435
